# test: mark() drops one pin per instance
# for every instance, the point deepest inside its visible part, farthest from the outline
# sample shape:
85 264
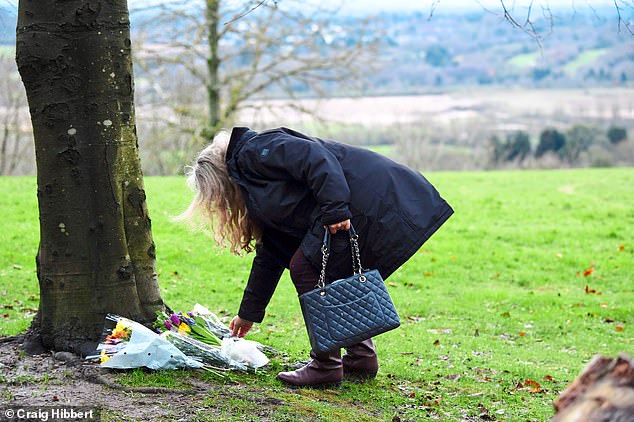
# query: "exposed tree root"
91 374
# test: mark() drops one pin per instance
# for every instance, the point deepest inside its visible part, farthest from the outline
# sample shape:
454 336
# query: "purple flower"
168 325
190 314
175 320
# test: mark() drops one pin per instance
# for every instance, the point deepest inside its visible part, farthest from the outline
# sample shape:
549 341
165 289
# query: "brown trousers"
304 276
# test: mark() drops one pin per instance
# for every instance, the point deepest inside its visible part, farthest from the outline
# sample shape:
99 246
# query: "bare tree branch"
434 5
241 15
622 22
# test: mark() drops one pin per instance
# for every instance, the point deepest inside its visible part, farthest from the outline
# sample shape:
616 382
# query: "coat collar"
238 136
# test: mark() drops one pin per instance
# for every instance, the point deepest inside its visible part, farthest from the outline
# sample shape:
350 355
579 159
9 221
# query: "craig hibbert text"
50 413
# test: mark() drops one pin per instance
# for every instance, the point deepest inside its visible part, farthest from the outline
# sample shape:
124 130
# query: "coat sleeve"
265 274
279 155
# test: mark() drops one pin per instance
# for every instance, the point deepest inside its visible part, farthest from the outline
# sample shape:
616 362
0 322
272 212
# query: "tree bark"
213 64
96 252
603 392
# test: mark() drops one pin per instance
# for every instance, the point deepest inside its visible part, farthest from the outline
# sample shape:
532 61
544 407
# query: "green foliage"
516 146
496 297
438 56
550 140
617 134
578 139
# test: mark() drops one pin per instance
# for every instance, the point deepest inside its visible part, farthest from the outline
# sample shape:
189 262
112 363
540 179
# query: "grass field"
524 60
585 58
496 298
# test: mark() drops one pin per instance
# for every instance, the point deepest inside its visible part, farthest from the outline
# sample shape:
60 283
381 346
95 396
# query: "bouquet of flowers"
199 323
200 334
128 344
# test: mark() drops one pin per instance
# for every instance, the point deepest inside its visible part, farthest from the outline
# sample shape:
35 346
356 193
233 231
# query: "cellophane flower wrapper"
200 334
126 344
247 352
212 356
212 322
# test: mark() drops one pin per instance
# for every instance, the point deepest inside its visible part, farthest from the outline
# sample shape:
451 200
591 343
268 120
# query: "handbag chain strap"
325 254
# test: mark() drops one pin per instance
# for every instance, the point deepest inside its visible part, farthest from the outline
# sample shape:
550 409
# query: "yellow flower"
184 328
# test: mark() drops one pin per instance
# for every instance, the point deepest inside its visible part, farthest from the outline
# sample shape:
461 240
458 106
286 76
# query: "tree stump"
603 392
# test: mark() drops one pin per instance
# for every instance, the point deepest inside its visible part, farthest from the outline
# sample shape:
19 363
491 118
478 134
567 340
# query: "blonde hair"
219 199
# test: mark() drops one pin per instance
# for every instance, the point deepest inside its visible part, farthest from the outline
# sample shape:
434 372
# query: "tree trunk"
213 64
603 392
96 252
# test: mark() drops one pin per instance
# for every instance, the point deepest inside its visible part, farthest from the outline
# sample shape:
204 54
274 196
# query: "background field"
497 297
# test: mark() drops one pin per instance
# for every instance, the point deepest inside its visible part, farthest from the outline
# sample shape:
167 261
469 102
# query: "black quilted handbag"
349 310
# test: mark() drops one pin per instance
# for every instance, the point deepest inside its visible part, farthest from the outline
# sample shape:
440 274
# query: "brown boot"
360 361
323 370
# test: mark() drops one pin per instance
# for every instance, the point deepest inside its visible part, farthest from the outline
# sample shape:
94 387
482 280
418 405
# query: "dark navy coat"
294 184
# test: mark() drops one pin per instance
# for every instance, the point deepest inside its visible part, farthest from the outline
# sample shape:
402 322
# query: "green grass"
385 149
583 59
524 60
496 297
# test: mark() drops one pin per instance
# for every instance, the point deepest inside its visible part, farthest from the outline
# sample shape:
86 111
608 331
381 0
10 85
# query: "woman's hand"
344 225
240 327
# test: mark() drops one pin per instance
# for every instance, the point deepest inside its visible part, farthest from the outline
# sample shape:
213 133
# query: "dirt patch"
64 380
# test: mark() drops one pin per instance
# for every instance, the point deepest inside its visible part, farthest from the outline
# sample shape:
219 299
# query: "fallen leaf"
391 284
621 247
506 314
522 333
428 274
435 402
534 386
484 413
437 343
589 271
589 290
608 320
548 378
619 327
6 315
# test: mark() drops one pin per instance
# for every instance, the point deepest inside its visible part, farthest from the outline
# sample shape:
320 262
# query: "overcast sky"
370 6
454 4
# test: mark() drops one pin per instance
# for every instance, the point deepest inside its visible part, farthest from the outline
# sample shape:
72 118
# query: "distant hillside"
479 48
483 49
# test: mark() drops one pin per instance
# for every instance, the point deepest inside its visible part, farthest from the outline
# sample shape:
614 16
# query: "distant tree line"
566 146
